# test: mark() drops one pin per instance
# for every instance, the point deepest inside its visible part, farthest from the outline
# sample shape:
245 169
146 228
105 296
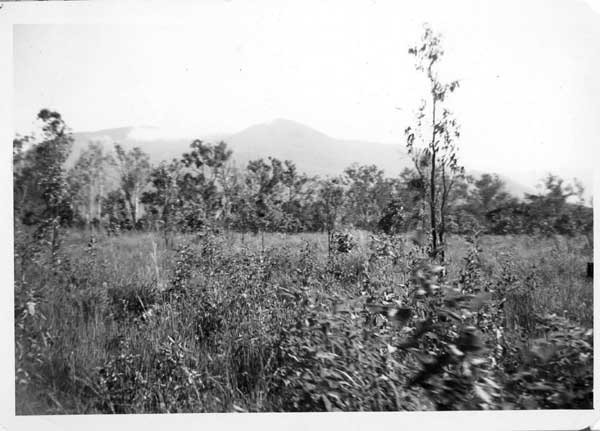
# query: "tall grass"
125 325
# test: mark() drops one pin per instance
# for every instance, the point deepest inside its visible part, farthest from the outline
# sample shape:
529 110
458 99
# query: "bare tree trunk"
130 207
422 210
90 210
432 188
443 212
136 204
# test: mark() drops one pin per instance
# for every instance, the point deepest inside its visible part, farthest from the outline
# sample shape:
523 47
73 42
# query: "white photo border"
154 12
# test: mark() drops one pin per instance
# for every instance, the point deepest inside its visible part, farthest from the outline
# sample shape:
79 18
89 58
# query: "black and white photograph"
266 207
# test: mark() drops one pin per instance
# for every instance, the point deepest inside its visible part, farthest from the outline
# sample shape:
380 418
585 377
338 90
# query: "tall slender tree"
432 140
133 167
88 181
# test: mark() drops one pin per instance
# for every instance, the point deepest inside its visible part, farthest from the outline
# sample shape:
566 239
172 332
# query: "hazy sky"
529 100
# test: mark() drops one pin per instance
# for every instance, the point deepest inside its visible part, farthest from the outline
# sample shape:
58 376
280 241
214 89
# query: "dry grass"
130 326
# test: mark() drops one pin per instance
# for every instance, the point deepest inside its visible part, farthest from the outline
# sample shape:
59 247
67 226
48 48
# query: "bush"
554 371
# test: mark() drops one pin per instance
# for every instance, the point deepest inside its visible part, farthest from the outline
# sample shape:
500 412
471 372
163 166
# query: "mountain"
313 152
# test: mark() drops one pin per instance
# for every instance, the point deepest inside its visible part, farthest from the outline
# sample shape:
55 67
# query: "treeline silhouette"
119 190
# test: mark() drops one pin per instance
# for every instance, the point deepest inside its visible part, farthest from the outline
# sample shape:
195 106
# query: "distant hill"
313 152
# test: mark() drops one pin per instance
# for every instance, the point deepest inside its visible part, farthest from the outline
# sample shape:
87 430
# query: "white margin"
174 11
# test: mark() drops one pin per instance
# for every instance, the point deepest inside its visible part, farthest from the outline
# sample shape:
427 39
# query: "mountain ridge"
313 151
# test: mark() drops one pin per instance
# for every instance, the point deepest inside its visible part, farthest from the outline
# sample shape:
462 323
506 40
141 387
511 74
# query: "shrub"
552 371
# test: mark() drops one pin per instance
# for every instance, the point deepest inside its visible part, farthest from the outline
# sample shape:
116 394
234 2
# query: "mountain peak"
282 128
284 122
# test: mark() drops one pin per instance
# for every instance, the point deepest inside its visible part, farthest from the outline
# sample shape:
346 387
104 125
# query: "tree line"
121 190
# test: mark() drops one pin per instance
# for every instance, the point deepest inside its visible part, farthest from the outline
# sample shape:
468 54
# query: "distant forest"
203 189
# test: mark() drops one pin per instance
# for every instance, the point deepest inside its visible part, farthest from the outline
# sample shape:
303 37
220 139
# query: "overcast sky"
529 100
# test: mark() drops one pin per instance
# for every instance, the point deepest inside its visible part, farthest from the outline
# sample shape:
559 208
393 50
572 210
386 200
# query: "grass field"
124 325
